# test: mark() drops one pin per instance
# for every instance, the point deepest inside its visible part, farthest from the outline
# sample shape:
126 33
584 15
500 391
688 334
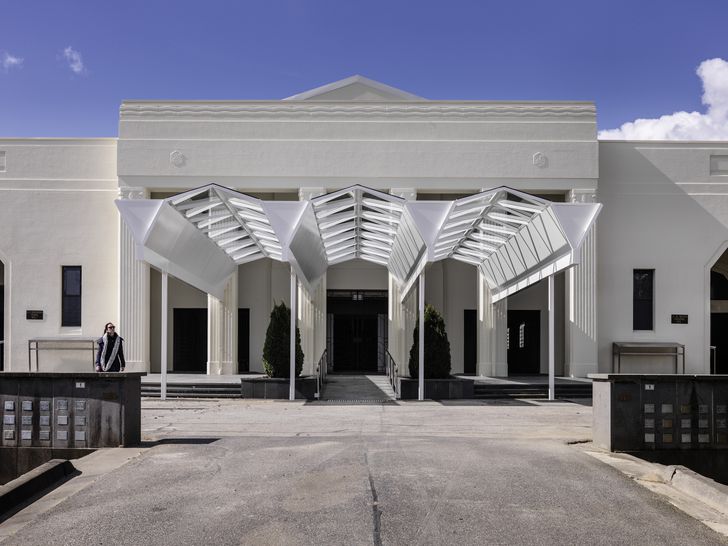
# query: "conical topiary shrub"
437 347
277 347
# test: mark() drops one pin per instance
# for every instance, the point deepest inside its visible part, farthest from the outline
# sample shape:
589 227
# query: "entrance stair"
357 389
193 390
531 389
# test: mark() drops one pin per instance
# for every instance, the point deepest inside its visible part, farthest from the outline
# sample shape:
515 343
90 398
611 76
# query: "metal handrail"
321 369
392 372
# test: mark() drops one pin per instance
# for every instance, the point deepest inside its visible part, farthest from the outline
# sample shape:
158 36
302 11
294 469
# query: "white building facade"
650 270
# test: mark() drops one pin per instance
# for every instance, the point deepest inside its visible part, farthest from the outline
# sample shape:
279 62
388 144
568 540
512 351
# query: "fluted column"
492 325
581 303
222 330
133 294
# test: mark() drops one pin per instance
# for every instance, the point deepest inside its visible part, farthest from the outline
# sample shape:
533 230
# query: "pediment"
356 89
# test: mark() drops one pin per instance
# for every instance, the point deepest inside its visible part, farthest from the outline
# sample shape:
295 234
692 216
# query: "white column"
292 380
552 386
133 294
164 335
222 330
421 340
581 303
492 325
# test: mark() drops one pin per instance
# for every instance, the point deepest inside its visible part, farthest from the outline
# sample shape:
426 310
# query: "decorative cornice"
306 110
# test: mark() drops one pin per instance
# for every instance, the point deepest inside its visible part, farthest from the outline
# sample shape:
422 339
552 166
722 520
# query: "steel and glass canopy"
513 238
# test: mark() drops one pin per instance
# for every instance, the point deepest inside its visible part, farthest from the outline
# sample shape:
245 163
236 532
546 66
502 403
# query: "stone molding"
430 110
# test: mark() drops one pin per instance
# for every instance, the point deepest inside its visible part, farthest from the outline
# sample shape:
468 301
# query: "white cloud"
74 60
711 125
8 61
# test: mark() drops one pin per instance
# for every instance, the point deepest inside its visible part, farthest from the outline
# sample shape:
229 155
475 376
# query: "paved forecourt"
264 472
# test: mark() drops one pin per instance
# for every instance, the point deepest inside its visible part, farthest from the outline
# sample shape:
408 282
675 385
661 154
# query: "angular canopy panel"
514 238
358 222
167 241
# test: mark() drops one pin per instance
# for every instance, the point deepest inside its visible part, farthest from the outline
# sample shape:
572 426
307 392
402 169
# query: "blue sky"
635 59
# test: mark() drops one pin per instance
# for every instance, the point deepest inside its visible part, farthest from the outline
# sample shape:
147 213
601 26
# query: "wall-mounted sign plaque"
33 314
679 319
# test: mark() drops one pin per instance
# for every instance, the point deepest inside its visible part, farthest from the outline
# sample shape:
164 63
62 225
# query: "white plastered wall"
261 285
57 208
663 210
451 287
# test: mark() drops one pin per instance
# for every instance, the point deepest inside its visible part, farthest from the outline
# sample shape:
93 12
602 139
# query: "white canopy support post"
163 358
292 388
421 340
552 386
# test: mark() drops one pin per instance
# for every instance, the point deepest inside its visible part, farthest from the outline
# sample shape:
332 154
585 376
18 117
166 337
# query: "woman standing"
110 357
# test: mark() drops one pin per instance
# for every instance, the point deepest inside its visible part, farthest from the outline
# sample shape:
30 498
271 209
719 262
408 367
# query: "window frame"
643 304
65 322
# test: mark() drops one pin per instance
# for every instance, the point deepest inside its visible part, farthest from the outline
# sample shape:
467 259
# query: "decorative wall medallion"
540 160
132 193
177 159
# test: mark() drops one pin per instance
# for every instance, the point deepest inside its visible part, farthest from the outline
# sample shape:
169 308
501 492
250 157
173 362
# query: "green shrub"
277 347
437 347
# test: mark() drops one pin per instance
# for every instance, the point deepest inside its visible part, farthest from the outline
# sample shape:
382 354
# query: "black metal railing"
321 369
392 372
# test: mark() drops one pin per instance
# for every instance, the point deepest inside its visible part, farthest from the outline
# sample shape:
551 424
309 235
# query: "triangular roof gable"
356 88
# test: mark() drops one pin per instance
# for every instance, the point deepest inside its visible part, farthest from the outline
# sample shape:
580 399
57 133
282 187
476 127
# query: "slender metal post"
552 386
421 340
292 387
163 358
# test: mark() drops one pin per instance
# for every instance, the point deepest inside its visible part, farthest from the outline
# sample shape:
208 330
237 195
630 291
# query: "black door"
190 341
355 343
243 340
719 339
470 340
524 342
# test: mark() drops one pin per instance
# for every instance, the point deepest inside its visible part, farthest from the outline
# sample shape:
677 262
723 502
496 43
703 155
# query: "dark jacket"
119 363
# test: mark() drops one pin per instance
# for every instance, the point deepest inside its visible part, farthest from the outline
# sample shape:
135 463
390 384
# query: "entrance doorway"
357 333
470 340
243 340
524 342
189 353
719 315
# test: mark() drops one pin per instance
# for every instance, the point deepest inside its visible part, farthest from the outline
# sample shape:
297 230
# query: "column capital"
308 193
410 194
588 195
132 192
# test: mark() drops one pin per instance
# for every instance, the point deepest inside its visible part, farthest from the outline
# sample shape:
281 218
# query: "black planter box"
275 388
437 389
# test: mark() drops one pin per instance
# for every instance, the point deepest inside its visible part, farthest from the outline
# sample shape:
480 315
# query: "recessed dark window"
643 296
71 295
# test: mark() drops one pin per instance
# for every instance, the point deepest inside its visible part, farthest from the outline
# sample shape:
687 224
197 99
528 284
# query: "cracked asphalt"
261 472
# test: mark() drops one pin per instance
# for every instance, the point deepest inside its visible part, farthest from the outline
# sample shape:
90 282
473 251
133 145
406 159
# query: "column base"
136 366
221 368
580 369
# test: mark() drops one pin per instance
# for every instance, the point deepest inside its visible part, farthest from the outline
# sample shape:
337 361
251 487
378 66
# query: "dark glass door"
190 341
470 343
524 342
243 340
355 343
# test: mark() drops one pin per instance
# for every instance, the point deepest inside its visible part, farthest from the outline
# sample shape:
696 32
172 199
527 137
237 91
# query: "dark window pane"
71 295
72 281
643 299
